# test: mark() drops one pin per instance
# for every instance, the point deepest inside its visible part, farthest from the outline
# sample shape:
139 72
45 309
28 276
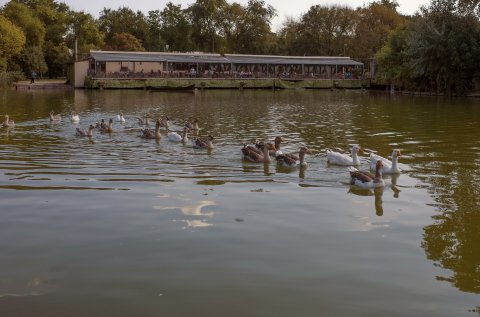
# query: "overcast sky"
285 8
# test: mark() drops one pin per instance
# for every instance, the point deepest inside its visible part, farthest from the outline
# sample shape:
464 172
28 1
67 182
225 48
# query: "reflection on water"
102 217
376 192
196 210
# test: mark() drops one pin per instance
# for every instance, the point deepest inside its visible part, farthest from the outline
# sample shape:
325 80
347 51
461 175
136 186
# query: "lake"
117 225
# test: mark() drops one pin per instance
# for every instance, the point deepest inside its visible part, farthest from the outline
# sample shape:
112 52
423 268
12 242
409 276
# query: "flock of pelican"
260 152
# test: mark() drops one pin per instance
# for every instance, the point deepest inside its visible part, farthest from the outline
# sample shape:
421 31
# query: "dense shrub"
8 78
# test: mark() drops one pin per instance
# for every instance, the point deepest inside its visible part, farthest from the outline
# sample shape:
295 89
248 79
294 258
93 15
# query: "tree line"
45 35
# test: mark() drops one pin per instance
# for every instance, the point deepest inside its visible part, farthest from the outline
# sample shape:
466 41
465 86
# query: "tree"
124 20
206 19
45 24
124 42
288 39
323 30
32 59
53 16
56 58
26 19
376 21
175 29
392 57
448 37
84 30
11 41
248 28
154 22
440 49
232 18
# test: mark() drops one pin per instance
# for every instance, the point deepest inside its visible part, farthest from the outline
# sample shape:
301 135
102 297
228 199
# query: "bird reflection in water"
193 210
288 170
301 172
396 191
266 169
377 192
249 167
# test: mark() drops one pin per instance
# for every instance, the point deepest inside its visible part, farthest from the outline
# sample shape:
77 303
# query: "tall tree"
124 42
11 41
175 28
376 21
445 37
32 59
442 48
393 59
288 38
324 30
248 28
83 33
54 16
124 20
231 29
26 19
154 22
206 20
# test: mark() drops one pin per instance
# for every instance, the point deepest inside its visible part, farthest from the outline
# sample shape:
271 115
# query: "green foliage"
84 30
26 19
11 41
124 20
375 23
439 51
206 20
125 42
8 78
175 29
247 29
340 30
392 57
155 41
323 30
57 56
32 59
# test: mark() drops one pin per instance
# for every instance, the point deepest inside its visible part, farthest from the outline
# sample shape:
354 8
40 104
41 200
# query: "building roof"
196 57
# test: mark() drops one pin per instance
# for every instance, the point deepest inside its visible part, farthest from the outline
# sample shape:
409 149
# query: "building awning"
194 57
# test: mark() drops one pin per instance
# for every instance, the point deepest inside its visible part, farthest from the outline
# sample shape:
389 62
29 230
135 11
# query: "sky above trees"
285 8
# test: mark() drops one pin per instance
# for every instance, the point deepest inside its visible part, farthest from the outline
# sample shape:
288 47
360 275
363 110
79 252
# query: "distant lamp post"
344 49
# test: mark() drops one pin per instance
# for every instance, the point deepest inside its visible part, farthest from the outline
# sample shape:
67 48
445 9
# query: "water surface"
121 226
